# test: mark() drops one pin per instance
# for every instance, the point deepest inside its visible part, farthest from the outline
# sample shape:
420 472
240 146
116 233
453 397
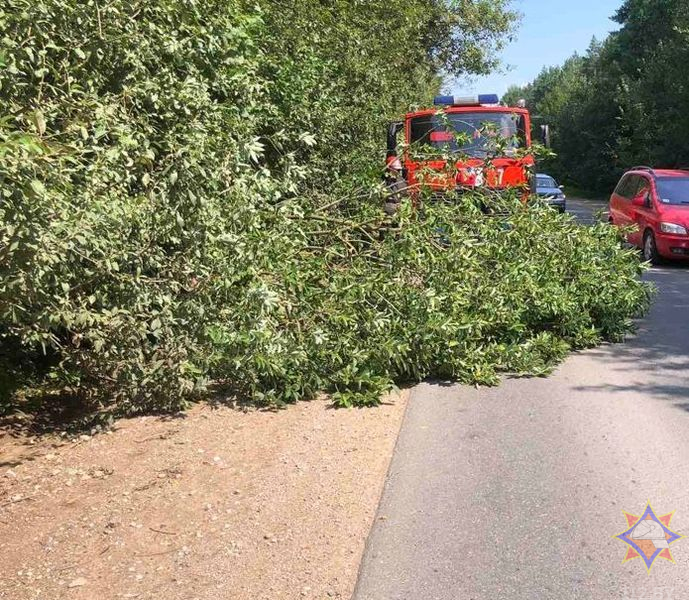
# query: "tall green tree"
625 102
146 146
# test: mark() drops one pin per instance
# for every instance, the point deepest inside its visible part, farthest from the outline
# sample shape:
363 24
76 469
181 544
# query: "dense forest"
191 193
624 103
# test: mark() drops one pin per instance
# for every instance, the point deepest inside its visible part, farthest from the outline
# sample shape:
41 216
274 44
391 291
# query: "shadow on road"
655 361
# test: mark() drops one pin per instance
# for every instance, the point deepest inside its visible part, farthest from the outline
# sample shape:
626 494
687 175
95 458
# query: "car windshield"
673 190
545 182
474 134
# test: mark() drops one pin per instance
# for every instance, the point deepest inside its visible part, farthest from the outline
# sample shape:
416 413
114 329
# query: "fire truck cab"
491 143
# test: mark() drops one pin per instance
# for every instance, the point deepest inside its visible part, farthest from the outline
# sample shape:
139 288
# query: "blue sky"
550 32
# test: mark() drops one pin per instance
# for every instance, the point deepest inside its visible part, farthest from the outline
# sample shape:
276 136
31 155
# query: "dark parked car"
547 187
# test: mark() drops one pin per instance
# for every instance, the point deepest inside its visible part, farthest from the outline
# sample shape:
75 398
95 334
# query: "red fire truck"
468 127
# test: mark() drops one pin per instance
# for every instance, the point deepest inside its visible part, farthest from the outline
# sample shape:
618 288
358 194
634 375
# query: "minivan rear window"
628 187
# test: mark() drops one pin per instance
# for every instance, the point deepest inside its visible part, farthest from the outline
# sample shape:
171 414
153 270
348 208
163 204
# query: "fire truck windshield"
475 134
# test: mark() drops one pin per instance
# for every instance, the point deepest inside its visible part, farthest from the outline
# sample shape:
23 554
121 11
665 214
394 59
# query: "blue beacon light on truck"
466 100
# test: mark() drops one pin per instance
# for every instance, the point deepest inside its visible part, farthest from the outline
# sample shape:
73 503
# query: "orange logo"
649 537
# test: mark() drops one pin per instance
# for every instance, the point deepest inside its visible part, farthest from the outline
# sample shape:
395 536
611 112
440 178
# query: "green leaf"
39 121
37 187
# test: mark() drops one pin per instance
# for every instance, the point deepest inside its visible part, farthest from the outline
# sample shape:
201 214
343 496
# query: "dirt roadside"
218 504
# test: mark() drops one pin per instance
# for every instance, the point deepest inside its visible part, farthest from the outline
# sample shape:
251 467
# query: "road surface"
515 492
587 211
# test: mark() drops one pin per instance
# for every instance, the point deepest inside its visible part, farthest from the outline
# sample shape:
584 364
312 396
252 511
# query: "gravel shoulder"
216 504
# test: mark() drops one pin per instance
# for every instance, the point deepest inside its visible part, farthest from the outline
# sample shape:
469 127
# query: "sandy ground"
217 504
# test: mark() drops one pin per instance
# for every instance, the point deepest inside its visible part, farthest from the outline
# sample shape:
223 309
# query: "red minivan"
656 203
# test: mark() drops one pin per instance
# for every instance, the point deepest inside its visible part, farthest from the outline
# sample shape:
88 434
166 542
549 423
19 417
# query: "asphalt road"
587 211
515 492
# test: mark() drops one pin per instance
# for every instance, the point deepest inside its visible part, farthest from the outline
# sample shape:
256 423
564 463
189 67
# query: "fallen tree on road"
189 195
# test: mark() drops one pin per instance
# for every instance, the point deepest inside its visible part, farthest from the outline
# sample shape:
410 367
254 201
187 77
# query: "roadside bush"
189 193
122 125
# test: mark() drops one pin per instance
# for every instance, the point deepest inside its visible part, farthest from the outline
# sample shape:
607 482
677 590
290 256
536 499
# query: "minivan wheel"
650 250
